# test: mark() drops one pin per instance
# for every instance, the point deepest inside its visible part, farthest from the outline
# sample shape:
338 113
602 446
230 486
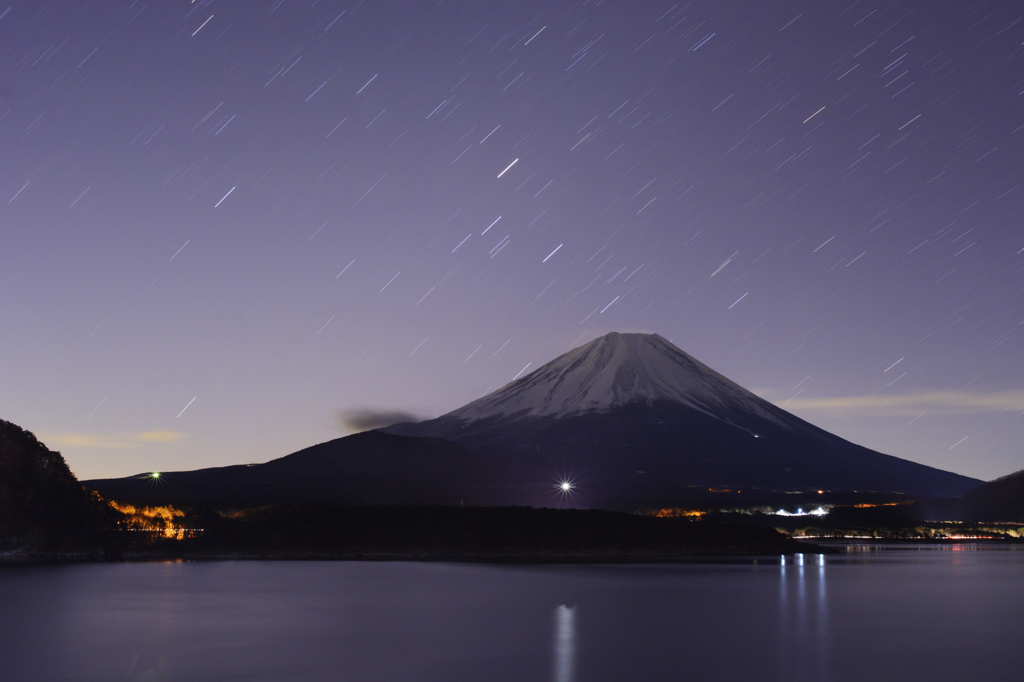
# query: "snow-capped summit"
614 370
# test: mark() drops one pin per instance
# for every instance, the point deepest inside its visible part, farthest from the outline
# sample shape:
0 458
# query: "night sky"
230 230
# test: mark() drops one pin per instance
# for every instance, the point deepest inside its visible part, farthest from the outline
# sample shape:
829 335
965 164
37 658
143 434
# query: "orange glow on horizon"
158 519
677 512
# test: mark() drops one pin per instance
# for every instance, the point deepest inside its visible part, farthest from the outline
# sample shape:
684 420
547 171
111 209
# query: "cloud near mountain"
912 404
366 419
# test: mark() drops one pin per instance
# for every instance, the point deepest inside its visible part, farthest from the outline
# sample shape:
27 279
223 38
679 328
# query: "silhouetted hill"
42 505
365 468
998 500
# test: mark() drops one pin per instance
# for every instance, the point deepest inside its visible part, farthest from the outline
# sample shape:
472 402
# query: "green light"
155 474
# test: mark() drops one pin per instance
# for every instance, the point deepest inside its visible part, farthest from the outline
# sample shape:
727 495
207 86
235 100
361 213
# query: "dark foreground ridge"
42 506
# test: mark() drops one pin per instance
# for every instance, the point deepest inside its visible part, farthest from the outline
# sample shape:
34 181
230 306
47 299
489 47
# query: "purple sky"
226 225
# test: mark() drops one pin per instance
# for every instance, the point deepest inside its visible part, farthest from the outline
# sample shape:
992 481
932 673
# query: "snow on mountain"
614 370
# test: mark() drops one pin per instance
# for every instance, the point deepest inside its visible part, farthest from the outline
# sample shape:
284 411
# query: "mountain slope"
999 500
365 468
638 421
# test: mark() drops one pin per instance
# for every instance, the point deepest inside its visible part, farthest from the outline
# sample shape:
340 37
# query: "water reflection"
884 616
565 643
801 591
803 615
821 584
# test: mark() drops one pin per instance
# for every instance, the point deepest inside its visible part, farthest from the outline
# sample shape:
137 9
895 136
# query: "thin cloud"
117 441
161 436
366 420
912 404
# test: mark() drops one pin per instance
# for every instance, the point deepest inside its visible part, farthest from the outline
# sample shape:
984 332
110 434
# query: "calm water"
904 614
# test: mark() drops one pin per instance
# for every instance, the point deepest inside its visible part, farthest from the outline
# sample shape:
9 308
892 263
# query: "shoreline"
497 557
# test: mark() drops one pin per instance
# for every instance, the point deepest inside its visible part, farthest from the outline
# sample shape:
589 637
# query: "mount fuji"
626 421
629 419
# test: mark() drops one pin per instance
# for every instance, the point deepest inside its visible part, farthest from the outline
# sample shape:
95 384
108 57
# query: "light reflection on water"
871 613
804 619
565 643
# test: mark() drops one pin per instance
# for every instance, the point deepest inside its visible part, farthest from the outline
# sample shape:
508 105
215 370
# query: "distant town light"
820 511
564 488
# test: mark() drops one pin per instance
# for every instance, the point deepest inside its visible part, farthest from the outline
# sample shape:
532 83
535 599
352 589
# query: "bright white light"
564 489
820 511
155 474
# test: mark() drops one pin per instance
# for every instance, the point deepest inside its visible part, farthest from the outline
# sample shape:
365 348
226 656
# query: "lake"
927 612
